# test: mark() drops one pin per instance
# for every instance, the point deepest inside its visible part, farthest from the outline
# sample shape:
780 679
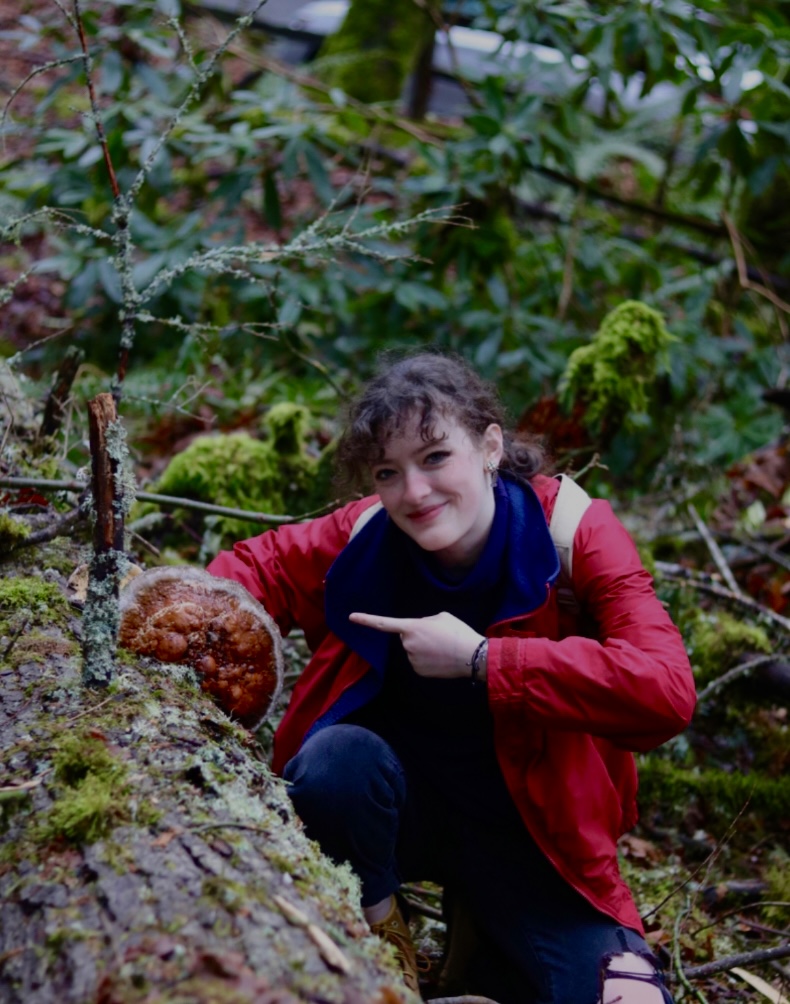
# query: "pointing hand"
438 646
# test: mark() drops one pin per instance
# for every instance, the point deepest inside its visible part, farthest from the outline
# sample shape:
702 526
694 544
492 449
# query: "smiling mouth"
424 515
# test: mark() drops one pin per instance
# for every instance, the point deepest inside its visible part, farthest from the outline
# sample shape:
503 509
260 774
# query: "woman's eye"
383 475
437 457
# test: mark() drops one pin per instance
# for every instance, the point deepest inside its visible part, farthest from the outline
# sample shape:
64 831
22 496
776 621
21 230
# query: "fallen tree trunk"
147 852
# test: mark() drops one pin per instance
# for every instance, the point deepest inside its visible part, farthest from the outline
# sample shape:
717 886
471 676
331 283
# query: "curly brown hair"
428 385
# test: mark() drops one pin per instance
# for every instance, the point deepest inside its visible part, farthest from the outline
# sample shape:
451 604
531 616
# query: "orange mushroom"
184 615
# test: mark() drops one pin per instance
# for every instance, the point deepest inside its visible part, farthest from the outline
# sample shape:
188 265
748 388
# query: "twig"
740 263
301 79
733 674
764 551
467 999
743 959
217 510
15 637
424 909
703 866
60 528
715 550
58 396
91 709
87 63
592 463
229 826
25 785
566 291
682 976
686 576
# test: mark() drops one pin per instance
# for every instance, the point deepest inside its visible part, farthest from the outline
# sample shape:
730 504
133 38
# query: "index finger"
391 625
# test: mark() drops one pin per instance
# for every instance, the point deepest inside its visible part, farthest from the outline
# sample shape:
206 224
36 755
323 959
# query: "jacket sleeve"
285 568
632 684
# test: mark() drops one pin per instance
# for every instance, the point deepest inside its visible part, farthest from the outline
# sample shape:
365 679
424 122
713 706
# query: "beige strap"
364 518
570 505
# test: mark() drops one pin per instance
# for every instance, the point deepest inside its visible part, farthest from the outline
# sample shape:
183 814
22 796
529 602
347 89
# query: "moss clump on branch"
275 475
12 532
613 375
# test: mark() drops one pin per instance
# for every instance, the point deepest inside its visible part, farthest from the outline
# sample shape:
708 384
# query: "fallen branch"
60 528
733 674
697 580
172 500
715 551
742 959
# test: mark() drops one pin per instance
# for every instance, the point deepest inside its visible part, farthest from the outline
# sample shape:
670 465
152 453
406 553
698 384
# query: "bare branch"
715 550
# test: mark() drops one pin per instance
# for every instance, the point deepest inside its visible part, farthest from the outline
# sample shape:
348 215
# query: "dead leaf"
638 849
164 838
761 986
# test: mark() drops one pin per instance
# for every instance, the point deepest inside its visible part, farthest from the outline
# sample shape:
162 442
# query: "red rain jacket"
572 692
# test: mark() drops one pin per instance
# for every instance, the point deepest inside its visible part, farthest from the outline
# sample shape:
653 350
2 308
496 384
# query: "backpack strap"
570 505
364 518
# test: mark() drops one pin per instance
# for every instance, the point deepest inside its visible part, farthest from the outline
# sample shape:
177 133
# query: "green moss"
777 875
81 754
717 641
30 598
225 892
724 795
87 812
12 532
613 375
376 48
92 798
275 475
37 646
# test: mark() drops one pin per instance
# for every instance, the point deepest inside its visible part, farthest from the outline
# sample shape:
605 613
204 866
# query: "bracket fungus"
187 616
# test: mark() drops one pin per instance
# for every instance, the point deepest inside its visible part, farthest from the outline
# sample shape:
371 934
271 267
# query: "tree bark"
191 881
377 46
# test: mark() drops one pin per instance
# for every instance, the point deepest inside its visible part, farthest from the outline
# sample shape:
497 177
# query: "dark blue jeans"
542 942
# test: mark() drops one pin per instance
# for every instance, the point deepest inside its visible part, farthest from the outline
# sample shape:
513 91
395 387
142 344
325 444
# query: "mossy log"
147 853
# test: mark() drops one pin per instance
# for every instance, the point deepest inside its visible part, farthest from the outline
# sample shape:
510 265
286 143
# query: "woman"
457 721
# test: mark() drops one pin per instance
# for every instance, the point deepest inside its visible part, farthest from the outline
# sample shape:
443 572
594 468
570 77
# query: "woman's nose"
415 487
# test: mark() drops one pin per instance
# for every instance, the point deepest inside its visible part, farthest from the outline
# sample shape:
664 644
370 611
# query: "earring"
493 469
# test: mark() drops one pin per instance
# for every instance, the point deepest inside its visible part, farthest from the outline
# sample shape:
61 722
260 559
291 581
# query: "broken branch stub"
100 619
188 616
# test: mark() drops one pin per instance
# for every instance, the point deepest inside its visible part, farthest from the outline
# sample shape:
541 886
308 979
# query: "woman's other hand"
440 646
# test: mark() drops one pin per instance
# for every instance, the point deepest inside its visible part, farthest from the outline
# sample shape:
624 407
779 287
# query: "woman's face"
439 491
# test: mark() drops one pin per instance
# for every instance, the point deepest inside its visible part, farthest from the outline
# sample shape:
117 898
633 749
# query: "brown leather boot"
394 929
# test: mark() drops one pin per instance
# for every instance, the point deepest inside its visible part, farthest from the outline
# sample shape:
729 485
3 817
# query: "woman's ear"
493 443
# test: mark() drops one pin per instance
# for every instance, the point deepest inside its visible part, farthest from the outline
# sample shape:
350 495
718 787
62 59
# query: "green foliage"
685 115
613 375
